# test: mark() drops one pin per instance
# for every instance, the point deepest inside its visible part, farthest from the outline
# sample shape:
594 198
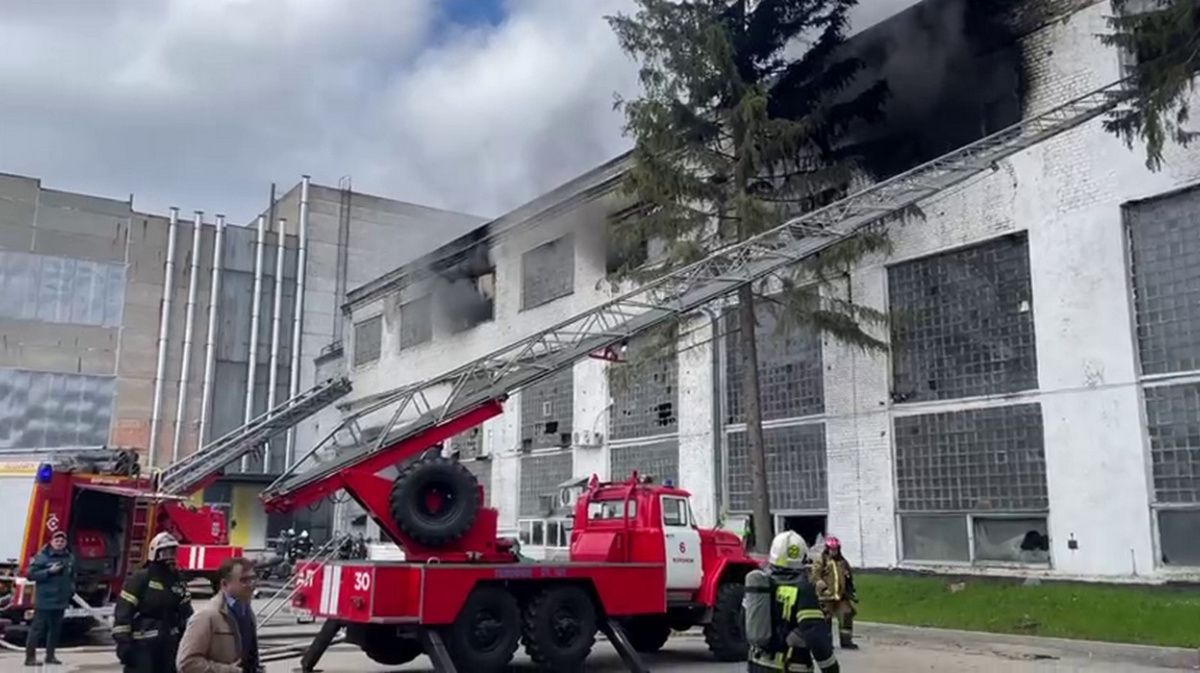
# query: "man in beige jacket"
222 637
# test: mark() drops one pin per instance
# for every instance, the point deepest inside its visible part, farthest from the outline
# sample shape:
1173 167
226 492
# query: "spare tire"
435 501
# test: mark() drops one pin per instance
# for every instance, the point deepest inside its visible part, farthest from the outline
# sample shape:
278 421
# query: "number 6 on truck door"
684 569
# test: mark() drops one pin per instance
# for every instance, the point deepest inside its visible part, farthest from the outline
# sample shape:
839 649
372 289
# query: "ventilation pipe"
164 330
276 324
210 340
260 242
298 313
189 325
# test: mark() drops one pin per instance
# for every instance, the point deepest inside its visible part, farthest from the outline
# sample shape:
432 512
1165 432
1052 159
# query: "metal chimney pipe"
210 340
189 326
260 242
298 312
276 324
164 331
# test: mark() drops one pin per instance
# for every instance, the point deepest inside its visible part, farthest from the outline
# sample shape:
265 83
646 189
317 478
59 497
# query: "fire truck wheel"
560 628
648 633
435 501
485 636
725 634
384 646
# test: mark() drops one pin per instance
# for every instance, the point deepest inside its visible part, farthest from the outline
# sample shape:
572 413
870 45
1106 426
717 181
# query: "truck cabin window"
675 512
603 510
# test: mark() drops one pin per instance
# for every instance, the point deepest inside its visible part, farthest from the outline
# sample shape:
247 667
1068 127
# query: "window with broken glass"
548 412
1164 266
971 486
792 398
643 421
543 519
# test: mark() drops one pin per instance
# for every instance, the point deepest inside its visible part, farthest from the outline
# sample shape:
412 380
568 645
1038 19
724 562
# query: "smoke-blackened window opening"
468 300
629 246
416 322
368 336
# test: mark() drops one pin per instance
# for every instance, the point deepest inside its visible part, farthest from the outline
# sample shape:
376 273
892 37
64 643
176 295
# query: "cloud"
203 103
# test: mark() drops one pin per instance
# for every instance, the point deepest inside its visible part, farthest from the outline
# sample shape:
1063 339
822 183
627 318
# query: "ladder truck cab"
109 511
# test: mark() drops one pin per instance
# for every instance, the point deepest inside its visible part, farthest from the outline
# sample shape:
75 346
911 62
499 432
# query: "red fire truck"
109 511
463 595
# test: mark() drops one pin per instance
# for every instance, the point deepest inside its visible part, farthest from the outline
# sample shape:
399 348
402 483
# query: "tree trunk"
760 496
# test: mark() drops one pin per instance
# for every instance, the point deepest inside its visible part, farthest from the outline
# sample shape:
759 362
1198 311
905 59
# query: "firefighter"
785 625
835 585
151 612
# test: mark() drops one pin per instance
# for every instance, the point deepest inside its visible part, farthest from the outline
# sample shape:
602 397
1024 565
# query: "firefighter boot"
846 613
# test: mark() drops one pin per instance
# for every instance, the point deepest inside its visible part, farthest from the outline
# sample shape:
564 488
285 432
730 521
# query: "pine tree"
745 120
1162 39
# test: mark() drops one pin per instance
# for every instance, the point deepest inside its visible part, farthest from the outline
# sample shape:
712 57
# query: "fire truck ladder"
423 406
283 595
185 475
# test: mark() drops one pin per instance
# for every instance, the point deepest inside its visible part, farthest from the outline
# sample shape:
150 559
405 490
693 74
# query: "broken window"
1011 540
627 248
790 372
467 301
548 411
796 468
962 323
644 392
548 272
416 322
368 335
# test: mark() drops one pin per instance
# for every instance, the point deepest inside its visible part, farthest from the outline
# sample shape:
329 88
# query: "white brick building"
1035 391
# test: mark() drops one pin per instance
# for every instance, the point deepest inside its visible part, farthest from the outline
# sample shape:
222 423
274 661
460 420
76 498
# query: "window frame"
969 519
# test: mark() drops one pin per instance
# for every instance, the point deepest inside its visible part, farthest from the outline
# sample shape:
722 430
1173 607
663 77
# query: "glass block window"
548 272
46 410
416 322
541 475
54 289
482 469
962 323
368 335
796 473
548 411
468 444
973 460
659 460
645 394
1164 243
1173 423
790 377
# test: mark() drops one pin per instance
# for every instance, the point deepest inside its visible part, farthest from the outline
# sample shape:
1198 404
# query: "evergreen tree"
1162 39
744 121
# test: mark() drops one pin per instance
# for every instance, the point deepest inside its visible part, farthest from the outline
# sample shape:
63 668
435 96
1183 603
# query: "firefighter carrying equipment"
784 623
151 612
160 543
835 587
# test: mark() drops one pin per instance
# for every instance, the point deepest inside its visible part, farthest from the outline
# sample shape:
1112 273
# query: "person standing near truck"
151 611
53 571
835 585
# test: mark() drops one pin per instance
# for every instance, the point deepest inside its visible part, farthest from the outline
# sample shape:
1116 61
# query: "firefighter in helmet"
785 625
835 586
151 612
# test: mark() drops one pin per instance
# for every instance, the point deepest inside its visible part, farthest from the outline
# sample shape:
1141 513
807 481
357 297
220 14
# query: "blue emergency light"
45 473
669 483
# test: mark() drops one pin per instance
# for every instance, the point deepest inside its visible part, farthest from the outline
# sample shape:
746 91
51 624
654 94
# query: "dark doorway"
809 527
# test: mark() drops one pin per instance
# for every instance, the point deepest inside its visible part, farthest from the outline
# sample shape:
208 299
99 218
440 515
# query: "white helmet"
161 542
304 533
788 550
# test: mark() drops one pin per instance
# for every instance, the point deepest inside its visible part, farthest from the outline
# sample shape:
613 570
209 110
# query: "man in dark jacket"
53 573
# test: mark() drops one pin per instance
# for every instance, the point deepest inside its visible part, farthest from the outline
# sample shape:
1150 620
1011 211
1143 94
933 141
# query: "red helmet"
832 543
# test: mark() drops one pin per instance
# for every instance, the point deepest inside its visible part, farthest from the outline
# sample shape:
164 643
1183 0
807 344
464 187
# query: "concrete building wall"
1037 424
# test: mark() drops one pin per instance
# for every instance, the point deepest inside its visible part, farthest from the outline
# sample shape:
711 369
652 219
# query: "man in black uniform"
151 612
785 624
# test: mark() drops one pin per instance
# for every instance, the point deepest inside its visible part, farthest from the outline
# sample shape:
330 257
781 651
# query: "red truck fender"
728 569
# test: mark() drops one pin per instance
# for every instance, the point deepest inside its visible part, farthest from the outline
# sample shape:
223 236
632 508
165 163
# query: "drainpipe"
298 313
164 330
210 341
189 323
255 308
276 324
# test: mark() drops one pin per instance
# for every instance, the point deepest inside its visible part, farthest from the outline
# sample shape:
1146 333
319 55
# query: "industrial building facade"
1038 409
87 359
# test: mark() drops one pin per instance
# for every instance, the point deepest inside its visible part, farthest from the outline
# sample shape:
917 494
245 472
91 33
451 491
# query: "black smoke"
459 282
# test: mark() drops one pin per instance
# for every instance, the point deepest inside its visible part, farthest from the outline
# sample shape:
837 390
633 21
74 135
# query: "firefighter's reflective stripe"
837 588
120 628
827 663
129 598
155 584
145 635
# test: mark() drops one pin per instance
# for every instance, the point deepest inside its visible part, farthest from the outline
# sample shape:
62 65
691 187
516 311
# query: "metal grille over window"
796 474
791 381
645 393
548 412
962 323
659 460
548 272
368 336
416 322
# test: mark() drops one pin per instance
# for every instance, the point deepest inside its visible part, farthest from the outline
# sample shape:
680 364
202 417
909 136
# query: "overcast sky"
472 105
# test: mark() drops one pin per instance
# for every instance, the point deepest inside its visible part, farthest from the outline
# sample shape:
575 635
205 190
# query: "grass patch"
1165 616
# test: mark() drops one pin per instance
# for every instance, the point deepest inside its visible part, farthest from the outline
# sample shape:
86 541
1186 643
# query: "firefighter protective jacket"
833 579
154 602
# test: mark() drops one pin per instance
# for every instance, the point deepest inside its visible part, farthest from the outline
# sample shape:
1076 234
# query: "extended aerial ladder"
433 410
188 475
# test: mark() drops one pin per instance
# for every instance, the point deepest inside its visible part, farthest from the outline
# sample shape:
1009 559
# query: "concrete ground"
689 654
